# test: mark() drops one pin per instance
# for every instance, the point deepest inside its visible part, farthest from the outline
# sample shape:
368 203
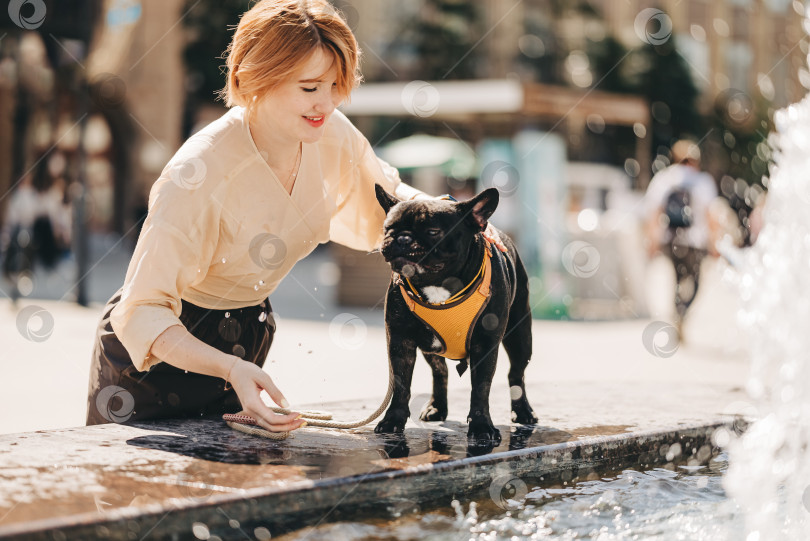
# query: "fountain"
769 472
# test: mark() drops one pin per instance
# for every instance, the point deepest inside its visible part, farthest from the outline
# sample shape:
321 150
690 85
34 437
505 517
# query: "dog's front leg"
436 409
402 352
482 368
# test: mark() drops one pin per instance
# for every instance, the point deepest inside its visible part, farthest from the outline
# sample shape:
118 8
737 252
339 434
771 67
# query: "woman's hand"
491 234
248 381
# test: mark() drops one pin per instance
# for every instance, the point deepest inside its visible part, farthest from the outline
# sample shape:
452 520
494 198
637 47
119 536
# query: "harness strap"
453 321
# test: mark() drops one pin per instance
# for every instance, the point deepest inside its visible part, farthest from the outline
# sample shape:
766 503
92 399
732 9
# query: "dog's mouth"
409 264
400 261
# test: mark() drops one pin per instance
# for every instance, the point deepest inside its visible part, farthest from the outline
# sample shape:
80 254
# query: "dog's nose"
404 239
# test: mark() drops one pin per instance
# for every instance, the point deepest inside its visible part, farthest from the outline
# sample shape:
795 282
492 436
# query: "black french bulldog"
436 250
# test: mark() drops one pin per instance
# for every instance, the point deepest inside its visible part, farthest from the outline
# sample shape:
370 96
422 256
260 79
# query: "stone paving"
158 479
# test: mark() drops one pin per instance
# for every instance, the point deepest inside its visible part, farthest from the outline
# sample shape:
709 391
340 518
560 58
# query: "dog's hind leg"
517 342
436 409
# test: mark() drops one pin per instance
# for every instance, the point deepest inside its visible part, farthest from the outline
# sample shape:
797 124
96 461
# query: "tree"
445 36
608 57
210 31
668 86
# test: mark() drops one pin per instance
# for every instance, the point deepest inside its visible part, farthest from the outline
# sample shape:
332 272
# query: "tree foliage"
209 32
673 96
445 39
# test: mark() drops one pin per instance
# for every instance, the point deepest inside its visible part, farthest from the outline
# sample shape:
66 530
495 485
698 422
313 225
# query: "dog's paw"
432 413
482 430
523 414
389 427
392 423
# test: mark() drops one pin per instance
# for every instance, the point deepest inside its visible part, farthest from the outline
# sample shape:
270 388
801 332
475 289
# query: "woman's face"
298 109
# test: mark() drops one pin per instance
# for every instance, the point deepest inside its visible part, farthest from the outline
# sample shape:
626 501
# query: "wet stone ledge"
180 479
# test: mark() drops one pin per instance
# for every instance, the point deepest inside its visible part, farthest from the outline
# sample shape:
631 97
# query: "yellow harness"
454 319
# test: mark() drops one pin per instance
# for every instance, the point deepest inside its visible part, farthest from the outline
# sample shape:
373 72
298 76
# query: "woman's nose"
325 104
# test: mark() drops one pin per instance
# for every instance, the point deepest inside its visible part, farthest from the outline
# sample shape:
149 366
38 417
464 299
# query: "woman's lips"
315 121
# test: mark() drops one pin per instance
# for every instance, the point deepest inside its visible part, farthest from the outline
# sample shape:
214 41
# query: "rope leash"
247 424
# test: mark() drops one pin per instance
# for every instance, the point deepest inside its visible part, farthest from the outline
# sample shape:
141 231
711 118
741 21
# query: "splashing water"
769 472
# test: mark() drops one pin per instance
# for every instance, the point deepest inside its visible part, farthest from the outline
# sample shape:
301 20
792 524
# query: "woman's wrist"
179 348
227 377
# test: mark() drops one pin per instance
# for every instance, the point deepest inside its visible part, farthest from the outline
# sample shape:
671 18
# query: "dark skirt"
117 392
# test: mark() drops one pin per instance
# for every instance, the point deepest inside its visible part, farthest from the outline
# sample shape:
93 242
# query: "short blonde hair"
274 38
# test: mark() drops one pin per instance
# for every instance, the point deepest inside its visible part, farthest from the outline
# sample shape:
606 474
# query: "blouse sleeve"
174 250
357 222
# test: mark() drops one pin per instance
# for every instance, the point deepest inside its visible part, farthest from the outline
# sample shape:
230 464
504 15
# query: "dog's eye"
434 232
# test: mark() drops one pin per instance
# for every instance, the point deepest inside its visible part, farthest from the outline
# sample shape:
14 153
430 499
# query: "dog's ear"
480 208
385 199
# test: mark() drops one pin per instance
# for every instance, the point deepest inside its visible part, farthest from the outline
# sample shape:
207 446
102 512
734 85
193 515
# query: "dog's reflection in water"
396 446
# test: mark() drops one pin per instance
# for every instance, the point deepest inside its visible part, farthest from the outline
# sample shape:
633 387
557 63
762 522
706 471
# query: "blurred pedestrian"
57 204
36 232
17 238
677 224
237 206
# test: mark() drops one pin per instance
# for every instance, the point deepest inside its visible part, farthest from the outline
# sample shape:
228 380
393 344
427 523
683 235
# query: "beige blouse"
222 231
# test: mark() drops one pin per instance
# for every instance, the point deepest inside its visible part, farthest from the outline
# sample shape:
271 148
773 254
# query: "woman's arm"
179 348
174 250
406 192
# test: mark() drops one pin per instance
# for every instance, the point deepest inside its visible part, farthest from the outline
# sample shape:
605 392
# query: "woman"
241 202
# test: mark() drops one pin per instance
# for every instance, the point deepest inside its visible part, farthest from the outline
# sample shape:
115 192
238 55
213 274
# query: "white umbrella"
453 157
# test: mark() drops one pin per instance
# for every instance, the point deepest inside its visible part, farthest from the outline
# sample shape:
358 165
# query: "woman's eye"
434 232
309 89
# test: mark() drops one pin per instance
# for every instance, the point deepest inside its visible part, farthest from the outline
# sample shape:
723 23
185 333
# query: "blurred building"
122 97
726 65
755 46
134 119
136 64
